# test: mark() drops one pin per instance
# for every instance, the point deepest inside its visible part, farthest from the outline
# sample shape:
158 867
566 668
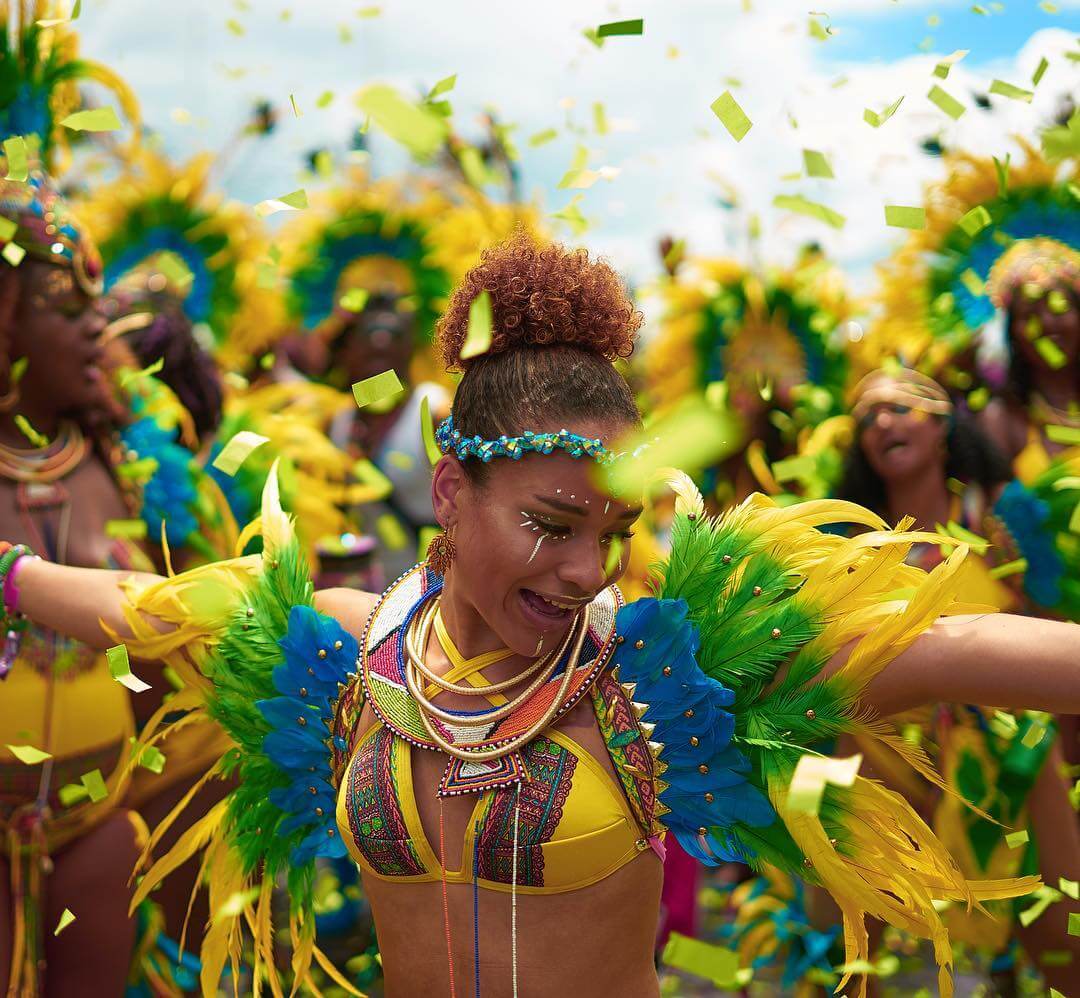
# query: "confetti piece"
1014 839
444 86
18 159
421 130
1033 735
1055 958
876 120
1048 6
235 27
8 228
27 430
1017 567
427 432
424 539
66 918
72 793
367 473
138 471
129 375
1040 71
975 220
295 109
293 201
975 284
591 35
368 12
391 532
816 164
1004 724
120 669
28 755
377 388
95 785
946 102
237 450
731 116
1070 888
542 138
714 963
941 70
905 216
571 214
152 758
324 99
354 300
98 119
478 335
1003 89
1051 353
13 253
819 31
980 9
810 776
802 206
1045 896
617 28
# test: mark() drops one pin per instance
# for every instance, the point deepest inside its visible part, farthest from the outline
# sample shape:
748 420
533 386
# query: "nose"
883 419
583 568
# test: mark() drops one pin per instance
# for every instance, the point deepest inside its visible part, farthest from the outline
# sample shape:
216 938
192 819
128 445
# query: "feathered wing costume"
725 670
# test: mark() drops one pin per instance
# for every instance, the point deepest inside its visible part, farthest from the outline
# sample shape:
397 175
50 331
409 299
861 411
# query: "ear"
448 486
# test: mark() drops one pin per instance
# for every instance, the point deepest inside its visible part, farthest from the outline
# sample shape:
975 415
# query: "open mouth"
546 611
894 445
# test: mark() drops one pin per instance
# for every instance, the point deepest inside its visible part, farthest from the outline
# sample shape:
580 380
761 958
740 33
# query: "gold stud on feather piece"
629 689
639 709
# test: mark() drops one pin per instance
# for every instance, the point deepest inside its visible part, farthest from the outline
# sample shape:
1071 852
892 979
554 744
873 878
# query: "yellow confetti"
542 138
28 755
817 165
946 102
905 216
8 228
293 201
812 773
803 206
714 963
877 119
98 119
354 300
421 130
13 253
375 389
66 918
295 108
234 904
237 451
391 532
18 159
941 70
973 283
1040 71
120 669
235 26
975 220
424 539
478 335
368 12
368 474
1003 89
1014 839
731 116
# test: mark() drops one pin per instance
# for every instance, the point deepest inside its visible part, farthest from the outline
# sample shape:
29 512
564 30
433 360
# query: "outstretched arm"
996 660
74 601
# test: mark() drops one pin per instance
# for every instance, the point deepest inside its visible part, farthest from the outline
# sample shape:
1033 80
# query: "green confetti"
127 376
368 474
731 116
1051 353
152 758
295 109
95 785
66 918
421 130
72 793
293 201
905 216
600 122
817 165
8 228
1070 888
1003 89
138 471
975 220
802 206
235 26
980 9
120 669
571 214
1040 71
237 451
1063 141
478 335
941 70
18 160
13 253
1014 839
424 539
1033 735
1017 567
618 28
444 86
1055 958
427 432
714 963
98 119
877 119
28 755
324 99
28 431
391 532
377 388
946 102
354 300
1045 896
543 137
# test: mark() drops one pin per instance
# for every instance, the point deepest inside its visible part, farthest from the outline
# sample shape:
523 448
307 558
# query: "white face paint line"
539 540
606 507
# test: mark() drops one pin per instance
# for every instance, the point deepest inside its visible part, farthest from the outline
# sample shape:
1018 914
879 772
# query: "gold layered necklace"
416 641
45 465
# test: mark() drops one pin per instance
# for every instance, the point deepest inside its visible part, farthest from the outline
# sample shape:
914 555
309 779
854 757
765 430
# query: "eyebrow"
631 514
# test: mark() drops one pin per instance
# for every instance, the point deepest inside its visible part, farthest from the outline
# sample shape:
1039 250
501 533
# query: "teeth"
557 605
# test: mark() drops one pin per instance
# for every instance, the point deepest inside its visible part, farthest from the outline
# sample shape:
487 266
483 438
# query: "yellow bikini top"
575 824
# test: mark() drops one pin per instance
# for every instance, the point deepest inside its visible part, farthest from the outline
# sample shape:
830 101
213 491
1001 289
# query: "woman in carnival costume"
762 347
914 451
515 742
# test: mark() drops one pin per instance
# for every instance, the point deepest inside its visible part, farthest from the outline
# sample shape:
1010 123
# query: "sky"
677 171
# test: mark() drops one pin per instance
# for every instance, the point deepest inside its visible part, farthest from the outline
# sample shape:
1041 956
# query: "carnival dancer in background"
516 605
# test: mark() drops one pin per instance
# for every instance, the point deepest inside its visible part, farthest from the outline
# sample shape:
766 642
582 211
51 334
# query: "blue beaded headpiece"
452 442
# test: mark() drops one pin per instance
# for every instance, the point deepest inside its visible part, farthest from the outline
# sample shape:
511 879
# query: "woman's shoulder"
350 607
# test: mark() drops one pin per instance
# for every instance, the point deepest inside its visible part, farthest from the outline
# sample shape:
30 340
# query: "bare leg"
1057 835
90 877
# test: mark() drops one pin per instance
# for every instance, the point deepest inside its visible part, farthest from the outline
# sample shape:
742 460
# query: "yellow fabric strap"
467 670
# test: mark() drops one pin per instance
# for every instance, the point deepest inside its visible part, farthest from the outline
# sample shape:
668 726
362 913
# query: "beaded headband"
904 386
452 442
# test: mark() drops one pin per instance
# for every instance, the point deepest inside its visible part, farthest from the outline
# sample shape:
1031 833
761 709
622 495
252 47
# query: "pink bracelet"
11 589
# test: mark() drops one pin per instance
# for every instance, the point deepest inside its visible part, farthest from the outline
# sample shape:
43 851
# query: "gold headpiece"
902 386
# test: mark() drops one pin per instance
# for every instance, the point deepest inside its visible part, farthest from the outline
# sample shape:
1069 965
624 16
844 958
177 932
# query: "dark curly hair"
559 320
972 458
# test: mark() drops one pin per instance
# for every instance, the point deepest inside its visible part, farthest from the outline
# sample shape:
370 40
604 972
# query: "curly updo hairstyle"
559 321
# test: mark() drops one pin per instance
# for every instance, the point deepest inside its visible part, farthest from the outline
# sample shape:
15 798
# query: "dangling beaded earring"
441 551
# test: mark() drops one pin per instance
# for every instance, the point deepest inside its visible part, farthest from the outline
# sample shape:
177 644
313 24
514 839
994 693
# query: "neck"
924 497
42 418
467 629
1057 387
